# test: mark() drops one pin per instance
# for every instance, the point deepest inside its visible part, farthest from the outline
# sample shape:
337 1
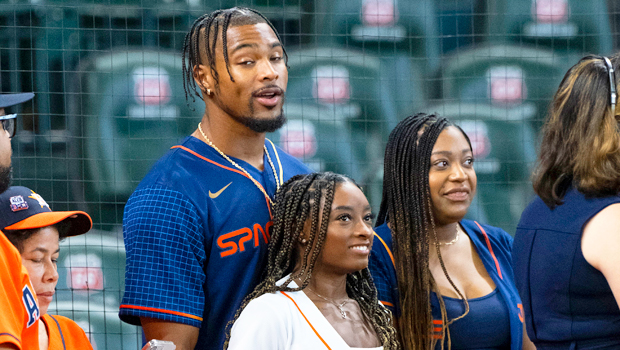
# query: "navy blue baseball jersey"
196 232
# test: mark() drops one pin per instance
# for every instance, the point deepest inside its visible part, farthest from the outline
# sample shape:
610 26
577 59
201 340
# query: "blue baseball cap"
23 209
8 100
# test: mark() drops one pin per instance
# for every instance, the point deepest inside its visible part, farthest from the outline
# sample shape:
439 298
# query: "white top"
285 321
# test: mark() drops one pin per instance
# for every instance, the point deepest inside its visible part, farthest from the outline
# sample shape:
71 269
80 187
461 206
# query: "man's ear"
204 78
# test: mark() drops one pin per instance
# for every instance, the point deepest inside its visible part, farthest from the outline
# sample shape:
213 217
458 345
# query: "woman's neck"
329 285
43 335
445 233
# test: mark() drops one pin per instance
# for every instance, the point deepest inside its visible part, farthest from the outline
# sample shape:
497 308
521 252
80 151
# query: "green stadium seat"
91 267
347 86
326 145
323 146
504 151
385 27
127 110
91 275
506 76
348 90
580 26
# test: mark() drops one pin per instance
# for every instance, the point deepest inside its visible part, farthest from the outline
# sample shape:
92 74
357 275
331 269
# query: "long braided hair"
406 205
201 41
307 198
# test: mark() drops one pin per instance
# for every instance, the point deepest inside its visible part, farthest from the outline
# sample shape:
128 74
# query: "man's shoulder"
184 163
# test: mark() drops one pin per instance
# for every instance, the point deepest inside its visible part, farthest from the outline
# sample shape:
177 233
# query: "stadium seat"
128 109
348 91
326 145
459 23
505 76
580 26
91 267
348 86
385 27
323 146
91 274
504 151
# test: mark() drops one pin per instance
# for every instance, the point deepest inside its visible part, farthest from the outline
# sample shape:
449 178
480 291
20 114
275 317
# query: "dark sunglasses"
612 83
8 123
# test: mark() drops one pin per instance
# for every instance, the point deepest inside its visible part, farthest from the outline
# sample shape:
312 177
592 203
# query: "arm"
182 335
527 343
600 244
164 294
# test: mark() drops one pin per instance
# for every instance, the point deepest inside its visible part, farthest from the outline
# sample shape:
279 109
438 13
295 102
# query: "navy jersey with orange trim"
19 310
494 247
196 232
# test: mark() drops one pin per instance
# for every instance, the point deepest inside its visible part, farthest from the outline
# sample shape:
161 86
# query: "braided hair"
305 199
406 204
201 41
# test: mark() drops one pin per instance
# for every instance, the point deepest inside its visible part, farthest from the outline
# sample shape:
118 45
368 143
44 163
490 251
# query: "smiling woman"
317 292
449 280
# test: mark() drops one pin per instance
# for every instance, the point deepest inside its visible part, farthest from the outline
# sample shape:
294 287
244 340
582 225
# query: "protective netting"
110 101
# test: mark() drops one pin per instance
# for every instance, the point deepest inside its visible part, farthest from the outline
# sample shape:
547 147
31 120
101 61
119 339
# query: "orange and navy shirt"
196 232
20 312
494 247
65 334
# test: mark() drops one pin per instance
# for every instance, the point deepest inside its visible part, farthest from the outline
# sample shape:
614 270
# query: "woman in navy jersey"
566 251
448 280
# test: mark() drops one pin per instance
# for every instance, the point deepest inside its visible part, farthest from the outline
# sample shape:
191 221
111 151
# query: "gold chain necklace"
458 231
256 183
339 306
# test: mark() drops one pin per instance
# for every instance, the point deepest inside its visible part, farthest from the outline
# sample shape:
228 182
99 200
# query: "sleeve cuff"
131 314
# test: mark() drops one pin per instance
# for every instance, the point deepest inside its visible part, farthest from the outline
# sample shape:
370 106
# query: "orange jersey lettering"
230 244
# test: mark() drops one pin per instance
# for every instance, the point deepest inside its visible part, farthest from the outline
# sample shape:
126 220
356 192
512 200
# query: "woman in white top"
316 292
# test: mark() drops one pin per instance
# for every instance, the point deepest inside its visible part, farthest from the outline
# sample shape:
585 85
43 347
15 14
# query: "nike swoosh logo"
216 194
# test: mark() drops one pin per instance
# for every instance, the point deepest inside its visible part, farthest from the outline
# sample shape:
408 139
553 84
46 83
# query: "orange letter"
230 246
258 227
267 229
245 238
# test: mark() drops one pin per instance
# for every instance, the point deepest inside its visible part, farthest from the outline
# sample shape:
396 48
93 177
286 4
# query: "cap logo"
39 199
18 203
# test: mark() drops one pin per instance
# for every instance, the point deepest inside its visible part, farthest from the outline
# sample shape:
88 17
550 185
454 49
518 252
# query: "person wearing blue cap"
35 230
19 326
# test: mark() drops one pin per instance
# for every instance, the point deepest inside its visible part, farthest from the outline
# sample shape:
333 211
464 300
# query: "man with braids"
449 281
317 292
197 226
